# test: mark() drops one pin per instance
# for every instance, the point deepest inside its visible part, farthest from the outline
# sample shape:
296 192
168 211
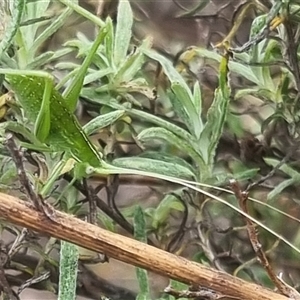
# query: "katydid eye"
89 170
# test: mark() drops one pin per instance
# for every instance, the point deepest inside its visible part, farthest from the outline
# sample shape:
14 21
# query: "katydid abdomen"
65 132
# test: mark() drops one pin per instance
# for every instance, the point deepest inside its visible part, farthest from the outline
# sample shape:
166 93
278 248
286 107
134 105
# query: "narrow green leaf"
180 89
71 94
102 121
280 187
109 44
267 58
295 177
172 74
123 31
53 176
27 134
185 109
139 225
284 168
40 60
68 271
34 10
94 97
140 234
42 123
223 72
96 75
132 64
255 91
223 178
235 67
197 97
152 133
50 30
257 25
154 166
167 157
73 4
246 175
10 26
282 90
108 223
216 117
163 210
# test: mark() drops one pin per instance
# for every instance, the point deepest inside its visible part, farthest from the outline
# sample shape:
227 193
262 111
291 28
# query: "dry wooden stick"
69 228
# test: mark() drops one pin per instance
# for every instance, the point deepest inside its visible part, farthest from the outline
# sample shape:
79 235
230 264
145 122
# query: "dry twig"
284 289
122 248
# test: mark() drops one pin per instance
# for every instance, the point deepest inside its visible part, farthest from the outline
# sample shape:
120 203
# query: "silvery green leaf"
123 31
10 24
102 121
153 133
154 166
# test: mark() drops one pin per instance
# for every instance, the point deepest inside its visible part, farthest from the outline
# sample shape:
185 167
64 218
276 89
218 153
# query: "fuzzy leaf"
102 121
154 166
123 31
165 135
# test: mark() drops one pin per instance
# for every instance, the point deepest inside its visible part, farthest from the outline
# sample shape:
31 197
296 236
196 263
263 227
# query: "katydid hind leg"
72 93
43 122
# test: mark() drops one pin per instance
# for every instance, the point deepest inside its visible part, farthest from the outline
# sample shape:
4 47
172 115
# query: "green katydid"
53 114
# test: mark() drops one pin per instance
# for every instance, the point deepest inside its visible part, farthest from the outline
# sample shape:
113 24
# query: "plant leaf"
95 97
123 31
180 89
154 166
102 121
140 234
197 97
165 135
280 187
167 158
216 117
162 212
71 94
284 168
16 10
68 271
50 30
132 64
186 109
235 67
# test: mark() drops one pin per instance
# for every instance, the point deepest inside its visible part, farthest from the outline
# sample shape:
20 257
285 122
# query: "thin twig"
201 293
262 34
4 285
34 280
17 157
17 242
177 238
92 204
101 257
242 198
273 171
102 205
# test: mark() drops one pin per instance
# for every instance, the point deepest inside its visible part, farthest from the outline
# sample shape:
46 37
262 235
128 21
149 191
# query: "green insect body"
65 132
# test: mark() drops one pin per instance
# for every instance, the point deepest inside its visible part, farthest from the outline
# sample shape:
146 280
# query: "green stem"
96 20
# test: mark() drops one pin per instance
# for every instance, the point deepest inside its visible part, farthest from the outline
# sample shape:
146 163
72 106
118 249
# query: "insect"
52 114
